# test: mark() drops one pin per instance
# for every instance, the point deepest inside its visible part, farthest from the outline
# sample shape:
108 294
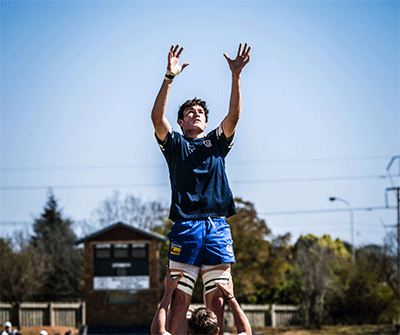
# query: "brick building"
121 275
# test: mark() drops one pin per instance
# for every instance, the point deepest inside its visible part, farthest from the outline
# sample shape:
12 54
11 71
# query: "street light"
351 224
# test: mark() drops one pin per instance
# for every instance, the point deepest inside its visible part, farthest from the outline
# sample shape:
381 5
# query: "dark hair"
203 322
190 103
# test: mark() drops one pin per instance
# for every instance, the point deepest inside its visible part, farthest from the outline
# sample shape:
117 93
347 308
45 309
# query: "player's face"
194 120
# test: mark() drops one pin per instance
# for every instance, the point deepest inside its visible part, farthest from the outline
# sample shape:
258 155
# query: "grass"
50 330
326 330
329 330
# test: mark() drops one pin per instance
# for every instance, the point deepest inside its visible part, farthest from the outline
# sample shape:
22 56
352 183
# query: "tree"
130 210
319 261
164 229
367 296
252 251
53 240
280 273
21 273
385 260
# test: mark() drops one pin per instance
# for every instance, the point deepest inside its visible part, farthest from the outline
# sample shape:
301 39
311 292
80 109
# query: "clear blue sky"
320 105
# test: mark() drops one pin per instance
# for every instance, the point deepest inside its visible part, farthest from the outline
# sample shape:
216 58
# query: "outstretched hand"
242 58
173 60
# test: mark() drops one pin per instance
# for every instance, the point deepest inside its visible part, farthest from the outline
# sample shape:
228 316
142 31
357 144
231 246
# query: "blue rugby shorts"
206 241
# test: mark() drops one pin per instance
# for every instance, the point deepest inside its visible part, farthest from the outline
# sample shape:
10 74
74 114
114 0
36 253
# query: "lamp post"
353 256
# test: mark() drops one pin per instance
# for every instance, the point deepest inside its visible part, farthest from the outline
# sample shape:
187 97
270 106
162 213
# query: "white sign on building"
121 283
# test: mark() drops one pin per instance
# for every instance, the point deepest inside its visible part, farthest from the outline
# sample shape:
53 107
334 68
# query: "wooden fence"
264 315
46 314
73 314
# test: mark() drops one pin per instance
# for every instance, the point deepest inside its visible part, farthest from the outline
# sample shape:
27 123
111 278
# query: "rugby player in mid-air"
200 239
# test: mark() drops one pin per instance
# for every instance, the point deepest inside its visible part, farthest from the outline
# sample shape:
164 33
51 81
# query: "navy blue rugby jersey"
199 183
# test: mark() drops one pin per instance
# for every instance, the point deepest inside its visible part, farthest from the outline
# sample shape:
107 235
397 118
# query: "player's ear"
217 332
180 122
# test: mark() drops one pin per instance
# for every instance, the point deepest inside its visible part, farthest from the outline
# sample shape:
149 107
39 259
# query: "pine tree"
54 240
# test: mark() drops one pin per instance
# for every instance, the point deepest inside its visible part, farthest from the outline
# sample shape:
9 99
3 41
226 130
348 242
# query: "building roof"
120 226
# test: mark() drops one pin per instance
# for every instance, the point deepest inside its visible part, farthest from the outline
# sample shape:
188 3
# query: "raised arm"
158 326
241 322
160 122
242 58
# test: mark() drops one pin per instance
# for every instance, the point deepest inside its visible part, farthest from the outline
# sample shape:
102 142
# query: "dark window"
138 253
121 251
103 251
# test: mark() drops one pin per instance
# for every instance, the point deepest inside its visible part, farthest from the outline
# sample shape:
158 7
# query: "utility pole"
397 190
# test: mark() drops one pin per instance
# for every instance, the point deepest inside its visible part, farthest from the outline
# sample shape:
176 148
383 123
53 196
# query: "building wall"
99 310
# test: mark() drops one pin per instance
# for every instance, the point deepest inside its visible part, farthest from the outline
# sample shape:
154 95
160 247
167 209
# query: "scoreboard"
121 266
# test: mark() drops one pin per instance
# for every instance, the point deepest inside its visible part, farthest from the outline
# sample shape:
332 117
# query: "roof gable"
121 232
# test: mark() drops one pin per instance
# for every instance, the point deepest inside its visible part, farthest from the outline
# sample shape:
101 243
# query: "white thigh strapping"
190 273
212 274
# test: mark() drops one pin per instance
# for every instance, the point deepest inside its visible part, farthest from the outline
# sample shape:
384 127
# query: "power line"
316 211
254 181
16 188
327 223
82 167
311 160
338 224
263 181
135 166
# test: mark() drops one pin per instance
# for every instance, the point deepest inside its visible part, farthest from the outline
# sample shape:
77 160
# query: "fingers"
240 48
221 287
184 65
242 54
180 275
246 50
171 283
246 60
224 288
179 52
175 51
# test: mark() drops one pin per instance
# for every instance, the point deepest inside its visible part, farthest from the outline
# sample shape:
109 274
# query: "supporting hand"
227 289
170 284
241 321
158 326
242 58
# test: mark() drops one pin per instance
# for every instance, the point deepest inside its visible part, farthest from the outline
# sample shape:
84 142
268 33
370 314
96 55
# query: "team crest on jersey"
175 249
207 143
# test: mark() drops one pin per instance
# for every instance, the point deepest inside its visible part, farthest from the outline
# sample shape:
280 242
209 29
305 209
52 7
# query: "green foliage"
366 295
252 251
20 273
163 230
316 273
319 262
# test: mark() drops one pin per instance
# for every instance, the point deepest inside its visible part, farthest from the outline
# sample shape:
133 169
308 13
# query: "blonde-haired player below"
202 321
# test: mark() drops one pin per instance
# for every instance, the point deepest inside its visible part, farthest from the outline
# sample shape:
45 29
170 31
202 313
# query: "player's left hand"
242 58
